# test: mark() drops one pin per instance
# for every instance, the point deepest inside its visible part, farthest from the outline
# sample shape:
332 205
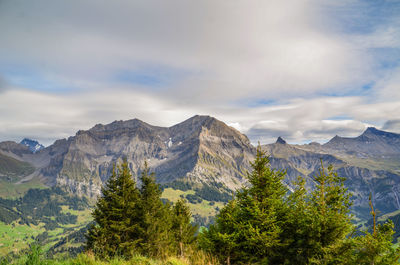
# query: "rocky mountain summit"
33 145
371 143
199 150
280 140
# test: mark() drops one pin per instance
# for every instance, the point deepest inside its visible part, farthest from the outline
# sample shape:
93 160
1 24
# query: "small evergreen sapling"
184 231
376 247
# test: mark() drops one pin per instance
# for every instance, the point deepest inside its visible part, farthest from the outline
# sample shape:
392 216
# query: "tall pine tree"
156 218
115 217
330 208
249 227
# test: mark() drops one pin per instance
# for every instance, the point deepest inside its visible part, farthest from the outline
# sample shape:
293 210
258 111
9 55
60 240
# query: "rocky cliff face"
199 150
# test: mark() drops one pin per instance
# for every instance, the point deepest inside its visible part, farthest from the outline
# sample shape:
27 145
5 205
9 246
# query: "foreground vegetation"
35 256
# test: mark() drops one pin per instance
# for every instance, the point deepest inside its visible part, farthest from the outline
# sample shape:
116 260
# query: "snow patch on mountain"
33 145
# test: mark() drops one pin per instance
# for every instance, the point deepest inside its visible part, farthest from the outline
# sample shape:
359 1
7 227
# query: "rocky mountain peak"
117 125
372 143
195 122
15 148
33 145
334 141
280 140
372 132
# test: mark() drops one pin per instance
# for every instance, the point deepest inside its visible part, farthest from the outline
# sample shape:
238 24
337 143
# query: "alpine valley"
47 193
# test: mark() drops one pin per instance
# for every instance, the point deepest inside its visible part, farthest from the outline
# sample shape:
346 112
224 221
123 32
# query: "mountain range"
205 151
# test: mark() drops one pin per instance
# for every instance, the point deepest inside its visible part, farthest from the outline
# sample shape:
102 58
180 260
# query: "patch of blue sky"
23 77
255 103
340 118
141 78
364 90
363 16
156 77
368 86
387 58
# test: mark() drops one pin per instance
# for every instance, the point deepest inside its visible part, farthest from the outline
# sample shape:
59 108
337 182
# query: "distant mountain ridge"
372 142
370 163
205 151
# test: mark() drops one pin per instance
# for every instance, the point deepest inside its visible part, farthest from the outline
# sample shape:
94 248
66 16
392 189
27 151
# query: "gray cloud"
392 125
3 84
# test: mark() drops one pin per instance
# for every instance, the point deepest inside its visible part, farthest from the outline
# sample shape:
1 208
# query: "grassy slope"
12 169
391 164
87 259
16 237
204 208
11 190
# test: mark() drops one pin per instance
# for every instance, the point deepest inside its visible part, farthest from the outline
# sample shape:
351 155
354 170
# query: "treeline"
262 224
41 206
73 244
213 192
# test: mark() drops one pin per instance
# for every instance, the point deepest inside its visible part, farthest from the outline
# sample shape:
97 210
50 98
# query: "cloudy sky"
305 69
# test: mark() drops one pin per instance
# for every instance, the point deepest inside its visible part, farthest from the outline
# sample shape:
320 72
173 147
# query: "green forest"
263 223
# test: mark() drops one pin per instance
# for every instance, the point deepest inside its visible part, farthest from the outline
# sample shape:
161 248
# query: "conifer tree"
251 225
131 220
317 223
222 238
184 231
297 228
330 211
115 217
156 218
